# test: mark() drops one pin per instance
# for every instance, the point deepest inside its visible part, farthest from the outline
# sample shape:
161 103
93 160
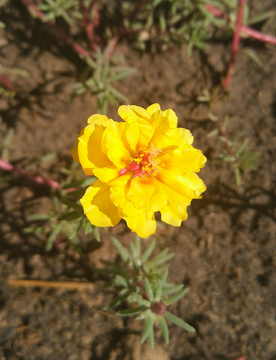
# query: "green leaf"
137 244
237 175
144 314
118 300
164 277
132 311
118 94
146 254
158 260
81 183
149 322
175 297
121 73
254 56
151 338
122 251
158 269
171 289
262 17
33 230
72 204
96 233
148 289
162 22
212 133
38 217
134 255
121 281
48 157
158 291
52 237
156 3
164 328
179 322
88 228
71 215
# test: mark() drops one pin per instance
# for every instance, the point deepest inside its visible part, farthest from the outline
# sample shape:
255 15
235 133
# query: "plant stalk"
235 45
58 31
8 85
4 165
244 30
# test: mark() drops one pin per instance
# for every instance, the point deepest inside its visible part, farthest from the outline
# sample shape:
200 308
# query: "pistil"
145 163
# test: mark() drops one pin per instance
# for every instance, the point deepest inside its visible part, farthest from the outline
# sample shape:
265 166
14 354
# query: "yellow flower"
143 165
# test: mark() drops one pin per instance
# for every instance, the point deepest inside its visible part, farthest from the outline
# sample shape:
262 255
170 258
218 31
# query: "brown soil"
224 251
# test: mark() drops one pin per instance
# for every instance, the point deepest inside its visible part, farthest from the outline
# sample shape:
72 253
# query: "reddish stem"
8 85
244 30
89 25
111 46
215 11
60 32
235 45
224 135
37 179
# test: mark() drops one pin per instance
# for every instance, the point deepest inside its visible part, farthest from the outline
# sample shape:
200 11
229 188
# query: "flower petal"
174 214
141 226
152 108
113 144
194 182
177 192
146 193
118 195
183 160
75 154
98 119
171 116
98 207
166 136
89 149
132 135
106 174
131 113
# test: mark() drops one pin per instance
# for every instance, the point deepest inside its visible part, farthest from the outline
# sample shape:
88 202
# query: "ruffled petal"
113 144
106 174
118 195
141 226
183 160
132 136
98 207
98 119
74 151
174 214
146 193
194 182
177 192
89 149
75 154
152 108
171 116
132 113
138 135
166 136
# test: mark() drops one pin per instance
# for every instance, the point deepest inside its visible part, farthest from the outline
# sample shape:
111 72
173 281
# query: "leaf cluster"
177 21
98 77
66 218
241 158
142 282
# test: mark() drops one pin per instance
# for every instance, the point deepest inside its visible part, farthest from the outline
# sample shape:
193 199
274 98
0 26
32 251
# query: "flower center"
144 163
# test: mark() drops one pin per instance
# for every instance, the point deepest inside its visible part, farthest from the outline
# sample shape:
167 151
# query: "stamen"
144 163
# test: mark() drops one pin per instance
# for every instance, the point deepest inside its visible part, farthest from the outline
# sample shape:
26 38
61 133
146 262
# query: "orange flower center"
144 163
